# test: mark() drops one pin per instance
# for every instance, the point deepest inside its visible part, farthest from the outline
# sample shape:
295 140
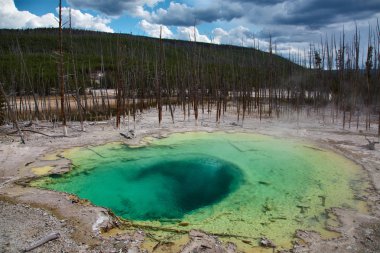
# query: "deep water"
235 183
172 188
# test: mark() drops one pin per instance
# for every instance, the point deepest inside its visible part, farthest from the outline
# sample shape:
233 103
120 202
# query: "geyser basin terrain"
223 183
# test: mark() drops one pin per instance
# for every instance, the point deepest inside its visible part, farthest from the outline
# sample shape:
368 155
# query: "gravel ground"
29 225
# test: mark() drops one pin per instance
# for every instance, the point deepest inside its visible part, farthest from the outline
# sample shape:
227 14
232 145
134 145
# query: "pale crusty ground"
28 214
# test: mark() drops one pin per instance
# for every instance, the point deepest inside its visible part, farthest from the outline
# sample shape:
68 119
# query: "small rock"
265 242
134 250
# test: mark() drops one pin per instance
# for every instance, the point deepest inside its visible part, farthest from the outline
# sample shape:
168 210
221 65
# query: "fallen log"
42 241
36 132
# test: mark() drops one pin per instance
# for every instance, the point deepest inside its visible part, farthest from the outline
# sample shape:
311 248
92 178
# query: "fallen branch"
371 144
42 241
36 132
94 152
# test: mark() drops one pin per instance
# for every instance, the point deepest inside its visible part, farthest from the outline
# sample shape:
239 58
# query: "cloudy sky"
293 24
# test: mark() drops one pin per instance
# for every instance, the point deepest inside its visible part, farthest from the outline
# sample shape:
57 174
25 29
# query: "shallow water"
234 183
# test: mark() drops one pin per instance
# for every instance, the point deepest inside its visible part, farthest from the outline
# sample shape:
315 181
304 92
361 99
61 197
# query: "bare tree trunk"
119 87
159 80
369 65
36 109
78 97
60 71
12 114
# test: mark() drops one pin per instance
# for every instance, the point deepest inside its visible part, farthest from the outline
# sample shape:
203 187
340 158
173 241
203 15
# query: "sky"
292 24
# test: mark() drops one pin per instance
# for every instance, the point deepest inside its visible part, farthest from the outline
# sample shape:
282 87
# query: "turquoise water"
235 183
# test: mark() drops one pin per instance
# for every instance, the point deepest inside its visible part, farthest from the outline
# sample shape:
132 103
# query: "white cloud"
11 17
87 21
187 33
182 33
236 36
239 36
154 30
242 36
141 12
218 34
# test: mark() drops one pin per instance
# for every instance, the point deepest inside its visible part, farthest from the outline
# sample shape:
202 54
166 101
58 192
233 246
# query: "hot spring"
240 184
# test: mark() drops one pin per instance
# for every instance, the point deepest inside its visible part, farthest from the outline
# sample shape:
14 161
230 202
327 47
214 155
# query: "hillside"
30 55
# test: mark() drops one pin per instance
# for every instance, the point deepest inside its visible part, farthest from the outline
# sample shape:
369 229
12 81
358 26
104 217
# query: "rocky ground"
28 214
27 225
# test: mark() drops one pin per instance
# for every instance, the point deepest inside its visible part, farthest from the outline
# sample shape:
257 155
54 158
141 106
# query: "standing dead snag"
2 108
60 71
119 90
369 65
77 97
159 75
377 67
12 113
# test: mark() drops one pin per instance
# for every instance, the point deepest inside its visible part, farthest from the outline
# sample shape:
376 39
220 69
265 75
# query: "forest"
76 75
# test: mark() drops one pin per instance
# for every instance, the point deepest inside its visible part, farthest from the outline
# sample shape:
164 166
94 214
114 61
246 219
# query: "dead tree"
12 114
158 79
377 67
119 90
60 71
2 108
368 65
78 96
